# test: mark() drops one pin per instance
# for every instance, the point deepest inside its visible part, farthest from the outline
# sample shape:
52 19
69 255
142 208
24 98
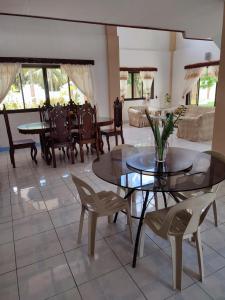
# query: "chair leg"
12 158
107 140
81 224
176 250
48 155
97 148
72 154
33 152
76 152
53 157
129 222
87 148
215 213
122 138
63 150
68 152
116 138
200 254
110 219
92 147
81 153
92 222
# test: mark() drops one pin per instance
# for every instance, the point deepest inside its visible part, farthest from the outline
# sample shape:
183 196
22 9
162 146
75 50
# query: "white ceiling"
198 18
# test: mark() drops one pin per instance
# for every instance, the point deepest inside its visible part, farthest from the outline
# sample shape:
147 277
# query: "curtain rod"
203 64
58 61
138 69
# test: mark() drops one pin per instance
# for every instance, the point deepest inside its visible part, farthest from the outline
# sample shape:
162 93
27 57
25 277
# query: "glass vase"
161 152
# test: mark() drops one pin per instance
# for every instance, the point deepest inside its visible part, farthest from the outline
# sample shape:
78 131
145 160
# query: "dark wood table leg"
44 151
139 229
101 144
42 143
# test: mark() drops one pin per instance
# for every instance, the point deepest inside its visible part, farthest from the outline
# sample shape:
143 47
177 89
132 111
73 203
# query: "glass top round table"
135 168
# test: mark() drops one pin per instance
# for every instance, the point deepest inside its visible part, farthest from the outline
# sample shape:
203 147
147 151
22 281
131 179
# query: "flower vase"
161 152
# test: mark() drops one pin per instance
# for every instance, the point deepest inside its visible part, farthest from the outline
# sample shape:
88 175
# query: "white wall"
146 48
25 37
189 52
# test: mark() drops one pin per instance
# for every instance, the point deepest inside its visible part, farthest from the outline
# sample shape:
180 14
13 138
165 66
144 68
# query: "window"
204 91
34 86
135 88
57 86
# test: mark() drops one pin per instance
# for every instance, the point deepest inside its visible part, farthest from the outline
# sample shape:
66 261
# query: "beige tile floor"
39 255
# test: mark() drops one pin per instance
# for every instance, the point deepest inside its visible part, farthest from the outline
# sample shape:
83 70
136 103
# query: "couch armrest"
134 112
189 121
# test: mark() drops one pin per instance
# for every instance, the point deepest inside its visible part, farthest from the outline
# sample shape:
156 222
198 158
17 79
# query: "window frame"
29 62
44 68
133 71
188 96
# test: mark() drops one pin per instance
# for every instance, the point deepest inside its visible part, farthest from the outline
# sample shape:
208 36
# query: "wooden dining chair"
72 106
117 125
18 144
101 204
187 194
87 128
60 132
176 224
44 112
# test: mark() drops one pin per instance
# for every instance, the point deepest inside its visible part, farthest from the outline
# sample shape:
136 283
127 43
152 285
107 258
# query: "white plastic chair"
104 203
188 194
177 223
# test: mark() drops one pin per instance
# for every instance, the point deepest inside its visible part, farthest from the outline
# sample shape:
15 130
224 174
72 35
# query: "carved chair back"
87 123
60 124
45 112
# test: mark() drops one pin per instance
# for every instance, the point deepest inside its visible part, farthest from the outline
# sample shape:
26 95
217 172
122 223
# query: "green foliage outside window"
206 81
32 92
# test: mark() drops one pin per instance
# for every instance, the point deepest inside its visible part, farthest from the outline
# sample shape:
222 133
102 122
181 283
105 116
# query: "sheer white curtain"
123 83
213 71
191 78
8 73
147 79
82 77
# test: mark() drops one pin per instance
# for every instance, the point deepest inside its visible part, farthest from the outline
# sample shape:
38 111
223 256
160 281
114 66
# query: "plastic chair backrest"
87 195
194 206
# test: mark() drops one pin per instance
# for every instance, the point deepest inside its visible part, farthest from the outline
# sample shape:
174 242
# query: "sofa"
138 118
196 124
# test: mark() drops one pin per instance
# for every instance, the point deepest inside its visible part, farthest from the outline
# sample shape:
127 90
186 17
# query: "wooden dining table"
42 128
